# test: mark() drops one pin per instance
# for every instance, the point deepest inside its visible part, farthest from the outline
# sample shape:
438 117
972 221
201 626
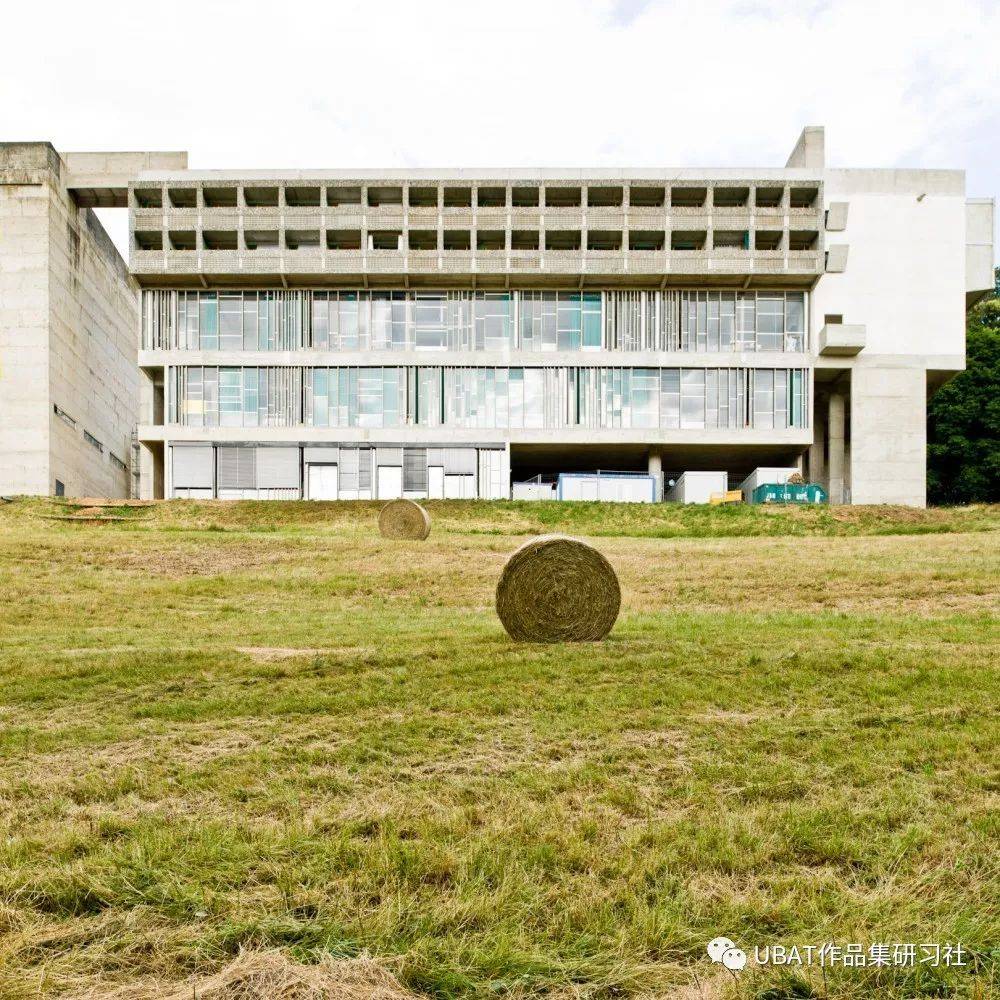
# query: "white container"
765 474
697 487
609 487
534 491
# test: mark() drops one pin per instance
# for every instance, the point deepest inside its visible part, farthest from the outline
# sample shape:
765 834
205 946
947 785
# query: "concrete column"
835 439
817 466
147 486
655 468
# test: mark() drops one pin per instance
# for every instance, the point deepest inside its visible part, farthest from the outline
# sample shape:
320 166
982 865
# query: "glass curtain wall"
619 320
487 397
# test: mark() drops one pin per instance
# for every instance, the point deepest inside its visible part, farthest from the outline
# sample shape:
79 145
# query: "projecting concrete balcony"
842 339
719 264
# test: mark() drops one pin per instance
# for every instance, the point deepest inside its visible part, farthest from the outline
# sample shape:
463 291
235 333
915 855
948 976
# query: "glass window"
209 321
794 321
231 321
692 398
770 322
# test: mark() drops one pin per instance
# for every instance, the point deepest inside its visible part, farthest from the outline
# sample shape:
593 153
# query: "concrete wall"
905 283
888 454
68 321
24 318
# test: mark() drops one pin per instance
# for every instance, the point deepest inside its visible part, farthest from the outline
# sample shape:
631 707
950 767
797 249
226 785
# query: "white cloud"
556 82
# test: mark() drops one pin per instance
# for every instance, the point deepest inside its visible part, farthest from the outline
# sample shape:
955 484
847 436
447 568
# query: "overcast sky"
510 83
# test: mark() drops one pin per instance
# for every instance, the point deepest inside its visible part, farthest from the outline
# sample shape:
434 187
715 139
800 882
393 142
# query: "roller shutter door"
415 470
237 468
192 466
278 468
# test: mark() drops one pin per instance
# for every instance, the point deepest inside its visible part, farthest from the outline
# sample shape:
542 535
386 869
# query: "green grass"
259 725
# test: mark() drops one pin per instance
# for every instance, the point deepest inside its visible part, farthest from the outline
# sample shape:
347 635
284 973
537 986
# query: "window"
220 197
730 197
646 197
491 197
799 239
770 322
261 239
524 197
687 240
803 197
562 239
524 239
736 239
385 239
92 441
604 197
148 197
261 197
60 489
457 239
645 239
301 239
562 197
302 196
423 239
458 197
216 239
688 197
767 239
422 197
768 197
388 196
63 415
337 195
602 239
490 239
149 239
343 239
182 239
183 197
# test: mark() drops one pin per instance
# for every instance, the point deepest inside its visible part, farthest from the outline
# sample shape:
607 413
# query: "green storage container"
788 493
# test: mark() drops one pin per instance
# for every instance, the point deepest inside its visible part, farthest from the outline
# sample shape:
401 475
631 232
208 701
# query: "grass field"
257 740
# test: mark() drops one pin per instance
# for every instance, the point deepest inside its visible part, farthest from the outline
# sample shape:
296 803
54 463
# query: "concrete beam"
102 179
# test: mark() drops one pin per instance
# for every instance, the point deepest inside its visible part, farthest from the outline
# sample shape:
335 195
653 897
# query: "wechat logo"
722 950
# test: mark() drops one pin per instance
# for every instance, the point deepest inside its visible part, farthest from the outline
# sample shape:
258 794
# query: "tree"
963 418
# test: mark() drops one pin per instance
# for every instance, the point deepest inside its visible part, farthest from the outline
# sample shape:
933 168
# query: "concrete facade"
68 314
438 332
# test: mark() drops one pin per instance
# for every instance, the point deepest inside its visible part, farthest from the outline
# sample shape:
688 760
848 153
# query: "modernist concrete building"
69 316
440 332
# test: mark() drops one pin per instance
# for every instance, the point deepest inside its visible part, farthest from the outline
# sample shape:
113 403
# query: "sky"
464 83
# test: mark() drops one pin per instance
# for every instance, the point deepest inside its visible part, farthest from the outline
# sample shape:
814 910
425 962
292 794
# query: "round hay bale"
404 519
558 589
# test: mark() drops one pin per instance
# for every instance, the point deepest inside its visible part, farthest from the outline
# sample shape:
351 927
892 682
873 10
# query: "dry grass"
232 747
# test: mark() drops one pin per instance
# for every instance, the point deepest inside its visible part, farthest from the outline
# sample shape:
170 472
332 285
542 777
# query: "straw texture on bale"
404 519
557 589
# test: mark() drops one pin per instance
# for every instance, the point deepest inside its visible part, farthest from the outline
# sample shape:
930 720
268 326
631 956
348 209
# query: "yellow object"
730 496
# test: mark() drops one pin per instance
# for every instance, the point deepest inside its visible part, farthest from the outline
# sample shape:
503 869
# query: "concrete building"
442 332
69 316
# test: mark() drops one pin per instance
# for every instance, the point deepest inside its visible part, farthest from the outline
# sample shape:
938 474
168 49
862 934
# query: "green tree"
963 418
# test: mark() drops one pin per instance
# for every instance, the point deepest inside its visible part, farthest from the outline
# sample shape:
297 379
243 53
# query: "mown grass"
260 725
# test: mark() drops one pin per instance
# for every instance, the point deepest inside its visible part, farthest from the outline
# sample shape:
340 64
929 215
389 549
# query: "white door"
390 482
322 480
435 482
